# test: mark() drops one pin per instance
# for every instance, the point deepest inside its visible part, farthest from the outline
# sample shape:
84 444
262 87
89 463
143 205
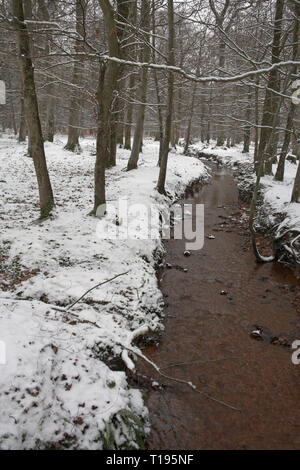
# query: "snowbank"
62 384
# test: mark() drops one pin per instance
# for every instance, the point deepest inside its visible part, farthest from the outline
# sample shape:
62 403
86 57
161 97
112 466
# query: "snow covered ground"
277 195
59 386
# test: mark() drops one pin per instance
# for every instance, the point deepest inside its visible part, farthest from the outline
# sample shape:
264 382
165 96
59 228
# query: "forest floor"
64 383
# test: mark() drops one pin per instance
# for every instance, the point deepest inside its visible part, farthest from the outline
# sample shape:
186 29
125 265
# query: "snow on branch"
192 77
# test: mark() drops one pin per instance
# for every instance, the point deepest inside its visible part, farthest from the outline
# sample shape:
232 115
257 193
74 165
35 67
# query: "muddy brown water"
207 341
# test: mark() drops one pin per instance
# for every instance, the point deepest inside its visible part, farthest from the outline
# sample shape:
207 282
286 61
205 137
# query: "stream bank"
277 219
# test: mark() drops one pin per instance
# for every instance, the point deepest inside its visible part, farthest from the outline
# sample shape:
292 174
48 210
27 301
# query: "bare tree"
271 97
32 112
75 105
139 129
109 75
168 124
279 176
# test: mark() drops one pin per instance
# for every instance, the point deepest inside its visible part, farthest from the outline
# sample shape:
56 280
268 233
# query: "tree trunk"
50 105
50 116
158 98
221 98
194 91
112 155
189 126
139 129
271 99
160 117
124 11
105 102
131 84
75 105
129 113
296 187
209 109
168 125
247 128
271 148
256 137
120 128
11 103
279 176
32 112
202 118
22 125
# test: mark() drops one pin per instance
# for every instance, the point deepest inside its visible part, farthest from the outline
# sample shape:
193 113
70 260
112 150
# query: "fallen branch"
174 379
92 288
281 235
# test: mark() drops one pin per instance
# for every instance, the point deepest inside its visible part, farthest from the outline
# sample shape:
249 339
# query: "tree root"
289 246
259 257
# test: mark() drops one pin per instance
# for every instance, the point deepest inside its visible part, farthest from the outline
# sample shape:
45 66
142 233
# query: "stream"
210 312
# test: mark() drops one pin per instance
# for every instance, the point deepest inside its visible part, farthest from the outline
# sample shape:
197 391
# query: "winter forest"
149 225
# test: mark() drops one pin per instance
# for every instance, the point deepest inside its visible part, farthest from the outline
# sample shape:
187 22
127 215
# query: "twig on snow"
92 288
